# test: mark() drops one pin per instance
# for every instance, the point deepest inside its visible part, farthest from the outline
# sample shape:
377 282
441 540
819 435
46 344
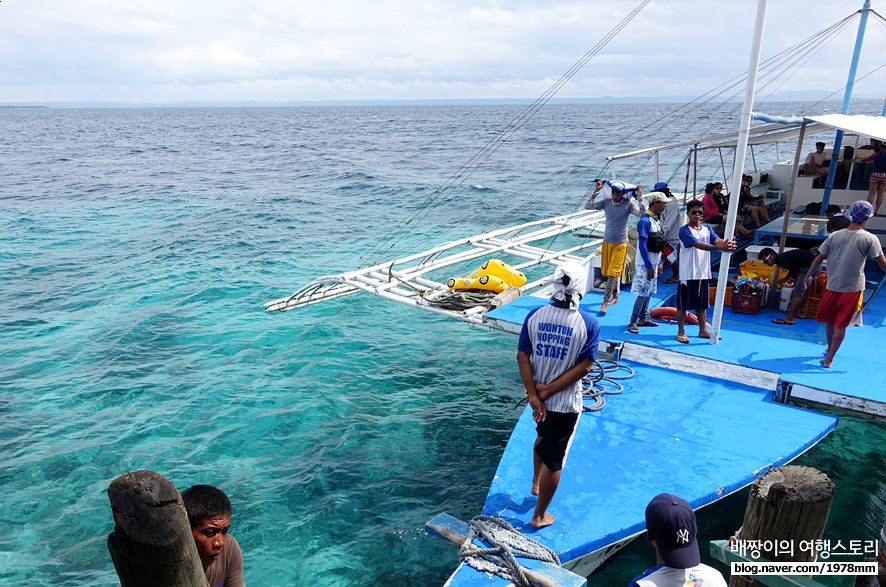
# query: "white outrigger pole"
738 165
414 281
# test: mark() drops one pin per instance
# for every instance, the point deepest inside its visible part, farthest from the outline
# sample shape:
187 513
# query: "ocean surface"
138 248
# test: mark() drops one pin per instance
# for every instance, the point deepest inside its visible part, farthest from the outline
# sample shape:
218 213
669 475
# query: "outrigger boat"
698 424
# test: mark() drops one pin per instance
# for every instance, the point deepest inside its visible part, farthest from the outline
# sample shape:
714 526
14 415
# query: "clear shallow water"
138 248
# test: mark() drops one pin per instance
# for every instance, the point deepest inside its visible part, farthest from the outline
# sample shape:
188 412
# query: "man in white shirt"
697 240
671 528
557 347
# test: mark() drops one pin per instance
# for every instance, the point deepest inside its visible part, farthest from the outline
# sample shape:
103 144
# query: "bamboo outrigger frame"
409 280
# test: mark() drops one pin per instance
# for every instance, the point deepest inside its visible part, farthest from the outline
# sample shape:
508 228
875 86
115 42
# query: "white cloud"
165 50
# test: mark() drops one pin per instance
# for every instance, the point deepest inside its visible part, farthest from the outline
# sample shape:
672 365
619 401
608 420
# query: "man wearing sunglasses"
697 240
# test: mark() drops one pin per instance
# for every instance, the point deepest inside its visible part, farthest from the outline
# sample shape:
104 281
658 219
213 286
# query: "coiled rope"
603 379
507 544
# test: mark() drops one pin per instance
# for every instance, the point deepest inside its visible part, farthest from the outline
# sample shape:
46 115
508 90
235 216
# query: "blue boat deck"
790 353
679 432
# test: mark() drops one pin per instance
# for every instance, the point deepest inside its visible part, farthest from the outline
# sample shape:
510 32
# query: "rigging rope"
433 200
507 544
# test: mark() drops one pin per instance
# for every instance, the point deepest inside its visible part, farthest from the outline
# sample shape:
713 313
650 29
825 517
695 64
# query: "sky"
157 51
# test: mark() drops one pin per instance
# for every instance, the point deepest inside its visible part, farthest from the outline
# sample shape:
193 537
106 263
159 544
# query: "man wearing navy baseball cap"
670 527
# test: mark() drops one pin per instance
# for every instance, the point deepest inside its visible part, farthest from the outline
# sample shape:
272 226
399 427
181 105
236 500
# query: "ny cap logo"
683 536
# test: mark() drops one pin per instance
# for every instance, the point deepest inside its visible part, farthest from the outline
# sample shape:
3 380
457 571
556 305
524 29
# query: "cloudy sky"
282 50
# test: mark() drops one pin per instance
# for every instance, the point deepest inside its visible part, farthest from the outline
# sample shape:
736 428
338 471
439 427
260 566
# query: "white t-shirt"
664 576
694 262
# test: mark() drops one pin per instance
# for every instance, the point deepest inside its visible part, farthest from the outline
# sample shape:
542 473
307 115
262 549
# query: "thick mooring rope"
507 544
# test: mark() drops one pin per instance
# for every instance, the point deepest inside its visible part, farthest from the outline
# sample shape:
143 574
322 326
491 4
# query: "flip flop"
633 329
683 338
782 321
647 323
671 280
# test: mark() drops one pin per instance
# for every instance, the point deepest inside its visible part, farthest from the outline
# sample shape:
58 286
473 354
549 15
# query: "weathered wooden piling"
152 544
788 505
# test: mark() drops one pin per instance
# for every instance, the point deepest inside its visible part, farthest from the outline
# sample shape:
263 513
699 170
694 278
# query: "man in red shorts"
846 251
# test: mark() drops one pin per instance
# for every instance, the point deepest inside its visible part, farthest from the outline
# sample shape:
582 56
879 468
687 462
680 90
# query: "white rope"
507 544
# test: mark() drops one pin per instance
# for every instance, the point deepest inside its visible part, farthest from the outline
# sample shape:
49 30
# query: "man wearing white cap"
650 244
671 528
558 346
619 201
847 251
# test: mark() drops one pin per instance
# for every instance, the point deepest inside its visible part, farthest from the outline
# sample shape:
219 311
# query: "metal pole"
847 96
656 167
738 165
787 208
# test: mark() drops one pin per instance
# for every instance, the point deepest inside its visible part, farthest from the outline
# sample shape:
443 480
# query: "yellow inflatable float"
484 282
496 268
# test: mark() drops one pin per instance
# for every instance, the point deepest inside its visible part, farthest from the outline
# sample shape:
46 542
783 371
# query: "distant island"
806 96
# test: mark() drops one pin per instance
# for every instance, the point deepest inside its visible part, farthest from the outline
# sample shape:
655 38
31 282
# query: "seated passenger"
754 206
716 208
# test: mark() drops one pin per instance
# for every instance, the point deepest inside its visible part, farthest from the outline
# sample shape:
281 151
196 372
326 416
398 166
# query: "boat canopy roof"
873 126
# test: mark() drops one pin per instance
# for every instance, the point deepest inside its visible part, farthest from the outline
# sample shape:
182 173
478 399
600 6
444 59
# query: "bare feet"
826 362
603 307
547 520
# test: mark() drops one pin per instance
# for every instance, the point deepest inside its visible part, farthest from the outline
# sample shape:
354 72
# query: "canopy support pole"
787 209
847 96
738 165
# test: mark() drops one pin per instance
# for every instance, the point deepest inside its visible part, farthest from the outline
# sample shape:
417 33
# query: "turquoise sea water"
138 248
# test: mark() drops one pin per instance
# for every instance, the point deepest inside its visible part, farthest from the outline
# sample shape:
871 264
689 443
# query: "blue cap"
861 211
660 186
671 522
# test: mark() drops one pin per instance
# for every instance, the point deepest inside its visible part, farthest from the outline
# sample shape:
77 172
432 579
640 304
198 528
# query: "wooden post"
152 544
786 504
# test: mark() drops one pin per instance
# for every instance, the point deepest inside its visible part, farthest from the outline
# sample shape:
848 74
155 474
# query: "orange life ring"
670 313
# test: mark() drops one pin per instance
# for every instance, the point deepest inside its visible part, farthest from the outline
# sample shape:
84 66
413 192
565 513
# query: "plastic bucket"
784 301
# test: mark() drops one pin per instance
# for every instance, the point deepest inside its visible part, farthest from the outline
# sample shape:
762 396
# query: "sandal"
683 338
647 323
632 328
782 321
670 280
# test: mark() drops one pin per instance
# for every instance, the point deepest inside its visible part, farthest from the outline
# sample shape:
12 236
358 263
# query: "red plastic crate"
746 303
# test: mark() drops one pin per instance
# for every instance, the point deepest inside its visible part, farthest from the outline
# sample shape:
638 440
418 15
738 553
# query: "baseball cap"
671 521
660 186
861 211
658 197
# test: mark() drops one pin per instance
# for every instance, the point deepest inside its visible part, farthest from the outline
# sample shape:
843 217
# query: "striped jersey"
557 339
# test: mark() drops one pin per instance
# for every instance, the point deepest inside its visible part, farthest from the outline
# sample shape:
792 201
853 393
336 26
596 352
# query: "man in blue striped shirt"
558 346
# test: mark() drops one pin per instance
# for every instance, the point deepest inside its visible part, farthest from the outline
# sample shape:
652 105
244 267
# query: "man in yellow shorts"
618 202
